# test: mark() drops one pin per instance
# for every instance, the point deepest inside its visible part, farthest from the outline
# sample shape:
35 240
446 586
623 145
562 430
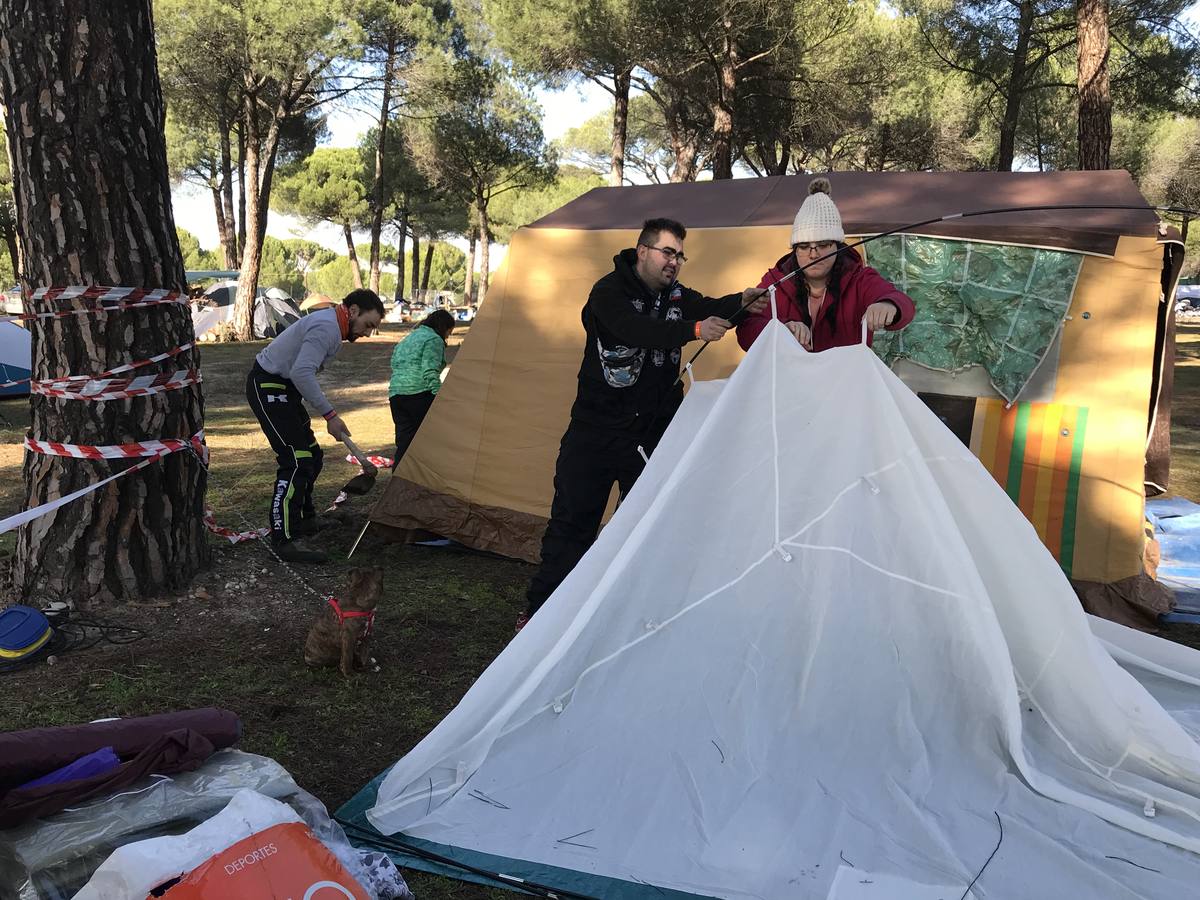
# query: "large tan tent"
1042 340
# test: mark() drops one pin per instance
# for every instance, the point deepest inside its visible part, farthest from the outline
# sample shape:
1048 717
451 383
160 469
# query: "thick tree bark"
469 287
621 81
1095 100
1016 87
378 189
416 263
428 265
79 81
355 271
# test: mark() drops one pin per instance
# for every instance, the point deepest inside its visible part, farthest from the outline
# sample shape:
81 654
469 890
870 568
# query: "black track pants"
280 411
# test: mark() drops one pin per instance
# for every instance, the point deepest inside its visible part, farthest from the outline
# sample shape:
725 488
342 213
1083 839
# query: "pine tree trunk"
229 241
400 255
485 239
1016 88
241 214
416 263
469 287
260 169
428 265
723 110
222 222
94 207
1095 100
355 270
379 188
621 81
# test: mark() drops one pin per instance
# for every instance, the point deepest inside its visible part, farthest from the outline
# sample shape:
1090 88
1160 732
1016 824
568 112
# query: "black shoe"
307 527
290 551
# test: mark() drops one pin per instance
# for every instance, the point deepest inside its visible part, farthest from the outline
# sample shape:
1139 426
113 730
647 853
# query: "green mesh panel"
977 304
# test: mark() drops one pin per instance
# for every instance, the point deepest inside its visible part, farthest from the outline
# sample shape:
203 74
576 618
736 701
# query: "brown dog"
340 635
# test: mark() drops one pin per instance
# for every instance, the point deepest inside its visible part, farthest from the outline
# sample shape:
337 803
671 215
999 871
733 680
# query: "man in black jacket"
637 318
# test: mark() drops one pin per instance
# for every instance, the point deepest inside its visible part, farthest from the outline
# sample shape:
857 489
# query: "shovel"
364 480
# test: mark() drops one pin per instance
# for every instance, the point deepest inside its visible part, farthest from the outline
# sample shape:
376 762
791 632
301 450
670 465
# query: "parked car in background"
10 302
463 313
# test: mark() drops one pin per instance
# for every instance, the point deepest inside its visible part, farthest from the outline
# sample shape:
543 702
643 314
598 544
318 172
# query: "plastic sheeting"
818 634
990 305
53 858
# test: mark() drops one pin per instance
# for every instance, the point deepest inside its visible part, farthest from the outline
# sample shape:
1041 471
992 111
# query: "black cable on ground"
77 634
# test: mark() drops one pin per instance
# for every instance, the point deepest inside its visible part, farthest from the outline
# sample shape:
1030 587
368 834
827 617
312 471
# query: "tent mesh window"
978 304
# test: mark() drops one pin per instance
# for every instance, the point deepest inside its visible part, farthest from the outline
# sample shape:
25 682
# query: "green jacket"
417 363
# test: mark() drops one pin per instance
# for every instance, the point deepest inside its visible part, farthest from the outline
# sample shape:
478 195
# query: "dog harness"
342 616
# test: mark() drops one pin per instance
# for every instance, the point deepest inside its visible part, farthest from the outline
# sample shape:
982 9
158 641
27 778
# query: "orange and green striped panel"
1035 452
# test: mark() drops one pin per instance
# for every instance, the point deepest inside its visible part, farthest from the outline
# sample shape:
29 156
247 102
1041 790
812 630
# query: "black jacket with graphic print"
622 311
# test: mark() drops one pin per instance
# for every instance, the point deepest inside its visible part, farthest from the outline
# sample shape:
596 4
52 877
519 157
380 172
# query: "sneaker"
522 621
290 551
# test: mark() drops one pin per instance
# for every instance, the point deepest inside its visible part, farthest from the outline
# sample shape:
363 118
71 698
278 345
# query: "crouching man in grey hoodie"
283 379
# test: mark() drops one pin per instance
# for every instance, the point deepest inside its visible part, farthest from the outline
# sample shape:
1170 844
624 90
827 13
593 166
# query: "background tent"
274 310
1059 310
787 686
15 358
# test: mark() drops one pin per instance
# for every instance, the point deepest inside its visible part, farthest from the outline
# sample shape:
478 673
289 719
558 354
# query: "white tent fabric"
817 649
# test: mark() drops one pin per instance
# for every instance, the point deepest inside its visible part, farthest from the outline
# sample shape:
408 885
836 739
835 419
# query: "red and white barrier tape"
28 515
99 299
379 462
122 388
232 534
79 382
124 451
121 451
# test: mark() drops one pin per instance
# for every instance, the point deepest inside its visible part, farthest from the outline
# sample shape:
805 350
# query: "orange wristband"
697 331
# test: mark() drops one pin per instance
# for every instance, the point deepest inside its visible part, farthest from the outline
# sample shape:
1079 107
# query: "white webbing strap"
774 310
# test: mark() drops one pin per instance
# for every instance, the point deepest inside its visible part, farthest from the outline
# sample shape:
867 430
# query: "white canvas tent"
817 653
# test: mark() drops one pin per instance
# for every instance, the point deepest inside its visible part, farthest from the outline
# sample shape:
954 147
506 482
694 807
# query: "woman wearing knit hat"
826 304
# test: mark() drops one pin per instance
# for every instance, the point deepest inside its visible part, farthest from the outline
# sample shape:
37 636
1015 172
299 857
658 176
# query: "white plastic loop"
1148 810
558 707
642 454
787 557
691 376
774 310
871 486
864 329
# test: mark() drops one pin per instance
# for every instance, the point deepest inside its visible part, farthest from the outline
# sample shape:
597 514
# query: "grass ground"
444 617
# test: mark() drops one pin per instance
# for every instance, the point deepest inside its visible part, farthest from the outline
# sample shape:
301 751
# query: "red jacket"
858 287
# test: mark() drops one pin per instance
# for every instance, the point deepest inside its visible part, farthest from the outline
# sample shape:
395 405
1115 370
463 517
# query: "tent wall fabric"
16 358
481 469
848 659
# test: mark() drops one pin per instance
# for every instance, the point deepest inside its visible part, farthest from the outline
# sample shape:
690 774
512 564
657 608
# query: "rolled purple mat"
25 755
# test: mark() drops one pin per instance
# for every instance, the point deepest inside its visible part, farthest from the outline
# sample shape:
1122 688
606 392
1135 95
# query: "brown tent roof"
871 202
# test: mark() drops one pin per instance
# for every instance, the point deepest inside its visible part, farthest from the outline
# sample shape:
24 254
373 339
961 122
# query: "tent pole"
359 538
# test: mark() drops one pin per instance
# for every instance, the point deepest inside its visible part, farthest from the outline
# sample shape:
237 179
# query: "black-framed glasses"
819 246
670 254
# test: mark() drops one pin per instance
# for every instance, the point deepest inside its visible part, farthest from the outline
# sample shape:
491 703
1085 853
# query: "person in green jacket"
417 364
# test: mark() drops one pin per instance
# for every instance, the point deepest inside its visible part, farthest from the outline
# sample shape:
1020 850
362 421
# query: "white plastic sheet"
818 631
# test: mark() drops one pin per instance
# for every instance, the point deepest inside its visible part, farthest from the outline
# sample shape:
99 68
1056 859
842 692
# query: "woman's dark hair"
832 287
440 321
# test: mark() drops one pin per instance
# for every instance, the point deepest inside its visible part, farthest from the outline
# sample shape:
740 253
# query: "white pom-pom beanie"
818 218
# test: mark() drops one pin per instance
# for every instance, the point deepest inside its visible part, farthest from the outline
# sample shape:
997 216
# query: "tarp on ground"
818 648
1059 310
